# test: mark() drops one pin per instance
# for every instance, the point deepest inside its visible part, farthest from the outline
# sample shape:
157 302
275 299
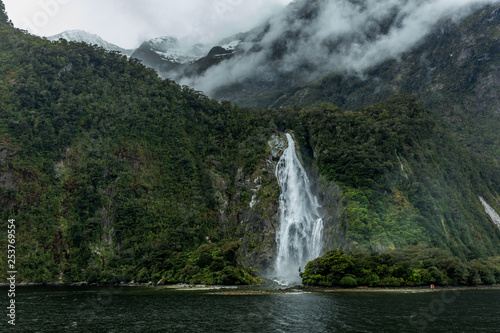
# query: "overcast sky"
129 22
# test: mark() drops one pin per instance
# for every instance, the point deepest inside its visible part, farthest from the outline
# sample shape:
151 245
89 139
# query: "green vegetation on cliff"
3 15
412 266
404 179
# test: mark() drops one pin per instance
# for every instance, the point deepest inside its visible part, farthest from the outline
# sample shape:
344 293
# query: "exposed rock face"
335 224
254 208
221 195
260 217
250 209
277 144
7 152
8 179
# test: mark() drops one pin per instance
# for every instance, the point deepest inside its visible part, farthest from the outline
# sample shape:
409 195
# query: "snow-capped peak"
231 46
170 49
164 43
89 38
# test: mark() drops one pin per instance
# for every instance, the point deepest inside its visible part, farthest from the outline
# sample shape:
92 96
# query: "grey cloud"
345 36
127 23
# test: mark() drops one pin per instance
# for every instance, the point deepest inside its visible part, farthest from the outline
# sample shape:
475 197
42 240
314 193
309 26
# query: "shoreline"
178 286
402 289
256 289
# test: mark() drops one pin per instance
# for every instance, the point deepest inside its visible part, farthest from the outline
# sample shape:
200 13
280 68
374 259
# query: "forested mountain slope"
356 53
455 72
113 174
103 164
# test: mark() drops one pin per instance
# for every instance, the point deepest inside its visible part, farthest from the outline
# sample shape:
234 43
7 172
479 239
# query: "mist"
334 36
128 23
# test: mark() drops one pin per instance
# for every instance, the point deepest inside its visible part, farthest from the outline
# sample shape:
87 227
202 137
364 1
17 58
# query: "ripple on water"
44 309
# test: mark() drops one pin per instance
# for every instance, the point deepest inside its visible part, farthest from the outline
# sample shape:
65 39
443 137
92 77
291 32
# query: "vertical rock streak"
491 212
299 238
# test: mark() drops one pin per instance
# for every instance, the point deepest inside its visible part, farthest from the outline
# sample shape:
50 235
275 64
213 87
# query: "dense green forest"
113 174
413 266
104 164
405 179
3 15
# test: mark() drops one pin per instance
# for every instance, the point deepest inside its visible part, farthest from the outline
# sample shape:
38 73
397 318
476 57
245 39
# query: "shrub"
348 282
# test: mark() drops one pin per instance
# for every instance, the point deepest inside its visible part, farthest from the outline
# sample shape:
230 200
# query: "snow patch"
169 48
164 43
231 46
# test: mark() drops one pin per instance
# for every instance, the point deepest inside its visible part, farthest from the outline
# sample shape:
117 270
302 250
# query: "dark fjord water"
65 309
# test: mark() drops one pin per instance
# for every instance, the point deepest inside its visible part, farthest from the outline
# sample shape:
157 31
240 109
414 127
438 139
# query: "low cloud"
343 36
128 23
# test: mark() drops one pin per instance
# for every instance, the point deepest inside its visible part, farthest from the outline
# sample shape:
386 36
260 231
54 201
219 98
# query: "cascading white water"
491 212
299 238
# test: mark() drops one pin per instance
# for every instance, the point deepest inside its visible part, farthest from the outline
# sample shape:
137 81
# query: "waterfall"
299 238
491 212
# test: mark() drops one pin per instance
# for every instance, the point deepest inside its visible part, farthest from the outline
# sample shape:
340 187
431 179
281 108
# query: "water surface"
134 309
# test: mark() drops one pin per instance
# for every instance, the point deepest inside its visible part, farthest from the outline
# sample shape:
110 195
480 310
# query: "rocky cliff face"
9 179
253 209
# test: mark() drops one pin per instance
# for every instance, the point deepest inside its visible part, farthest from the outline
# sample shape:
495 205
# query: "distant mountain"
225 50
170 57
166 55
173 59
89 38
168 49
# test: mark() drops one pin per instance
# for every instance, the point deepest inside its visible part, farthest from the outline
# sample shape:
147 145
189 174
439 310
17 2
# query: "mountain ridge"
89 38
3 15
